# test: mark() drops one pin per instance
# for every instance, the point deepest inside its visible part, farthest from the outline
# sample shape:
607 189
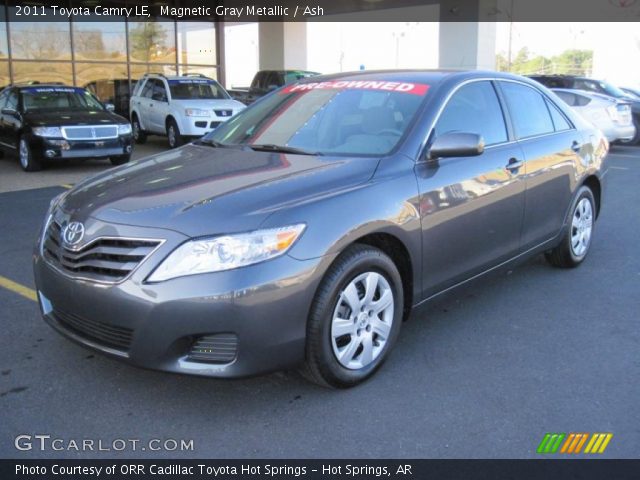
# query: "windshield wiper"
269 147
213 143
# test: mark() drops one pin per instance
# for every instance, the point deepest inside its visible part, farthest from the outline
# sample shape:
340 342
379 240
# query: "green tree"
147 40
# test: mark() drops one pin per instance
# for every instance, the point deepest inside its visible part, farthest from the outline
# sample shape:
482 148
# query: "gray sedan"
304 230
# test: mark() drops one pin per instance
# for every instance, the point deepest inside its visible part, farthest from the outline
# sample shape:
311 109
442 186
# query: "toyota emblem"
73 233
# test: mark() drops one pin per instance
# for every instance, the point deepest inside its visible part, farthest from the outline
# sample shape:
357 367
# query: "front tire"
355 318
173 134
139 136
575 244
28 161
120 160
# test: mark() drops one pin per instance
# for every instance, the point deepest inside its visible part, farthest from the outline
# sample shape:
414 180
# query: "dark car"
595 86
116 92
56 122
304 230
266 81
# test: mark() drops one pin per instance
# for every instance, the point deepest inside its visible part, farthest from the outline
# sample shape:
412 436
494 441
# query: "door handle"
151 104
514 164
575 146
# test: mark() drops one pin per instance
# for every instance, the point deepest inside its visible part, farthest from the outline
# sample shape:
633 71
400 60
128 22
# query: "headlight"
47 131
124 129
227 252
196 112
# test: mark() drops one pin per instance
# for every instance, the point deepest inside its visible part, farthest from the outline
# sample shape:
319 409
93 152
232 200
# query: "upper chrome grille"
105 259
90 132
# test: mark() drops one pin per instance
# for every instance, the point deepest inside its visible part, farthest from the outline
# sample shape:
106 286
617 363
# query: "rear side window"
559 121
474 108
528 110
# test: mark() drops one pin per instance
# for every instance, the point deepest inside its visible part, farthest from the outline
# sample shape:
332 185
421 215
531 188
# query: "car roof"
430 77
43 85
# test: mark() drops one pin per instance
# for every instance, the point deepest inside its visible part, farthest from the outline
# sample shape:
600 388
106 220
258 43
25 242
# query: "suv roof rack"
198 75
160 74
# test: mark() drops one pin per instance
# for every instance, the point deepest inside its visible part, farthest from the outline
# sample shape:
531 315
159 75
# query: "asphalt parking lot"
484 374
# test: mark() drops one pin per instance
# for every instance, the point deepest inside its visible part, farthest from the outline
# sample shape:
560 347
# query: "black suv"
596 86
56 122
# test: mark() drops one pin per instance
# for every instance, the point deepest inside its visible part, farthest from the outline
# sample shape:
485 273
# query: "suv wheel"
28 162
138 134
355 318
575 244
173 134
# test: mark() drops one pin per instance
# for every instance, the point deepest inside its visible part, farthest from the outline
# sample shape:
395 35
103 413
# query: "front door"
471 207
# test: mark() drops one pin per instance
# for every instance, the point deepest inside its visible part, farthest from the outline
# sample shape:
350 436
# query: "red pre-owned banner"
404 87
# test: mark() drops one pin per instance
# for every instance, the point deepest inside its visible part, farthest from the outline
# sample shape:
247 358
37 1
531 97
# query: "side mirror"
456 144
158 97
10 111
110 107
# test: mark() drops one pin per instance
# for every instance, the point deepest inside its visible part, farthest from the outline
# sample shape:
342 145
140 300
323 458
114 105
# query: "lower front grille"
215 124
101 333
218 348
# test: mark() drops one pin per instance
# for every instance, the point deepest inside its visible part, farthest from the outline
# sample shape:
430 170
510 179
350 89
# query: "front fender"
388 204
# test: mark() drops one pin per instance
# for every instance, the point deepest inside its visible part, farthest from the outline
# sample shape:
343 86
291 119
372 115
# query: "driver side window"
474 108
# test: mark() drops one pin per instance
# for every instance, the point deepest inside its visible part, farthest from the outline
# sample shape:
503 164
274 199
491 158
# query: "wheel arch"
593 183
393 247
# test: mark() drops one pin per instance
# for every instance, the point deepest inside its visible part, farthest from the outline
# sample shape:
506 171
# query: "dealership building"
86 48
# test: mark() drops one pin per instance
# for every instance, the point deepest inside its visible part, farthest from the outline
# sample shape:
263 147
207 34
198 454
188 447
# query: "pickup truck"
266 81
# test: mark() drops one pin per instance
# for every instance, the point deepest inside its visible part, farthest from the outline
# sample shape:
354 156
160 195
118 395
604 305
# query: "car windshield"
365 118
58 98
197 89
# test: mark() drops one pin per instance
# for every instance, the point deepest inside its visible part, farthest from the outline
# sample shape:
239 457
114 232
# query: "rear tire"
575 244
355 318
173 134
28 160
139 136
120 160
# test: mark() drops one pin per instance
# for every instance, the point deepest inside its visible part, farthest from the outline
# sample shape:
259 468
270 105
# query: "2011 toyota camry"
303 230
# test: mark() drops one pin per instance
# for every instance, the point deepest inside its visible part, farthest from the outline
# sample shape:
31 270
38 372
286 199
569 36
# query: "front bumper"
264 307
59 148
200 126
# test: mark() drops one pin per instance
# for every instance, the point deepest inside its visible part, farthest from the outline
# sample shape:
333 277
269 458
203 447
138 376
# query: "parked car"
612 116
266 81
180 107
634 92
303 230
51 122
596 86
114 91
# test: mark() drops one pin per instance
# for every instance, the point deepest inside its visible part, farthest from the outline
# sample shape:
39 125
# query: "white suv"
179 107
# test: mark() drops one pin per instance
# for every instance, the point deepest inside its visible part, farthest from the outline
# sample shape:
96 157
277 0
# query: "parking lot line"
67 185
17 288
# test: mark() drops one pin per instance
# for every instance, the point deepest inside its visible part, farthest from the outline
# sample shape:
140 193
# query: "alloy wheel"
24 154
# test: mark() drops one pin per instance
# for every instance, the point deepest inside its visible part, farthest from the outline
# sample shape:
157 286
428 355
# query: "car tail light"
620 113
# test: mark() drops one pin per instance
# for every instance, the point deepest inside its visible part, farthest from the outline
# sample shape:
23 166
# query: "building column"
283 45
468 34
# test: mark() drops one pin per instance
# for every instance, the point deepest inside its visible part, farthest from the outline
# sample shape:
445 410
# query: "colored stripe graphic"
550 443
574 442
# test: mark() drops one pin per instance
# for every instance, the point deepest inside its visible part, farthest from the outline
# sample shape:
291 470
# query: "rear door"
471 207
552 148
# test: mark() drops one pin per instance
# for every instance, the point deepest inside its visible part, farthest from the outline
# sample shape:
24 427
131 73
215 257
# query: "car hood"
212 104
76 117
199 190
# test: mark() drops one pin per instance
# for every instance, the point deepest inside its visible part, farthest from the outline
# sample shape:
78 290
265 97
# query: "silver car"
611 115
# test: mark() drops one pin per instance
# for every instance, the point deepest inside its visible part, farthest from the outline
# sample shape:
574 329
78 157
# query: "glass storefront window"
108 82
137 70
42 72
4 74
152 42
197 43
207 71
39 40
100 41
